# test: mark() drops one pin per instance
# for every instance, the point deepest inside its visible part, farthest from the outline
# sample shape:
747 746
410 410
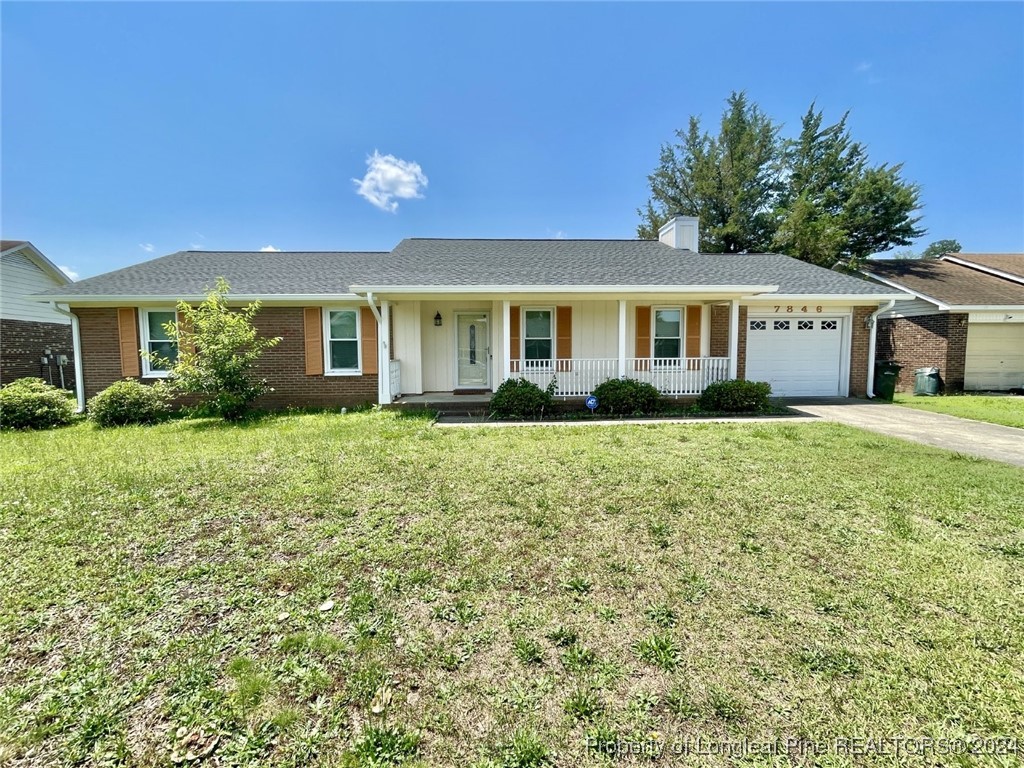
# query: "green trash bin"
926 381
886 374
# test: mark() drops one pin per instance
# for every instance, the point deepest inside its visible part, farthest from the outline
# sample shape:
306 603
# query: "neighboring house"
966 318
464 315
35 339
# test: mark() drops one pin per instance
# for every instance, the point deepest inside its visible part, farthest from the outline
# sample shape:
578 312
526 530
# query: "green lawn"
354 590
996 409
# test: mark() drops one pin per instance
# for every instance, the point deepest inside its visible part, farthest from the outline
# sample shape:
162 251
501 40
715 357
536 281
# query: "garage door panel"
995 356
799 357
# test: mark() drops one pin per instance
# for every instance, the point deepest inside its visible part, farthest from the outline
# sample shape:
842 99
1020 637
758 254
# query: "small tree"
218 347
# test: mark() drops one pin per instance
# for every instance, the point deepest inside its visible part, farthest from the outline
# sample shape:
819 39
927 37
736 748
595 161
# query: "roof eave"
232 297
615 289
837 296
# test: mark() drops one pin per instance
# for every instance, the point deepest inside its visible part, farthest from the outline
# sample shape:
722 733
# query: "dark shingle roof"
1010 263
8 244
950 283
466 263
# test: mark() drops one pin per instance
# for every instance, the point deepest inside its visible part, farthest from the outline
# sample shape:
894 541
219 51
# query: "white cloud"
269 249
147 247
864 66
387 178
68 271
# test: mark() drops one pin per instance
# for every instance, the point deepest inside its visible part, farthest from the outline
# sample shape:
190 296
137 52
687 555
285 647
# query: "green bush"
521 399
737 396
34 404
129 402
627 397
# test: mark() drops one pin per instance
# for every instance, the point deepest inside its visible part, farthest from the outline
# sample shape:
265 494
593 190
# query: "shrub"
129 402
627 397
34 404
521 399
738 396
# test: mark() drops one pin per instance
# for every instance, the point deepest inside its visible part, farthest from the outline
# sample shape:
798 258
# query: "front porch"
450 347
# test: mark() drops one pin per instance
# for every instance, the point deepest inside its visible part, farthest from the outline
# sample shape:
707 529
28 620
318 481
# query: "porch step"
447 404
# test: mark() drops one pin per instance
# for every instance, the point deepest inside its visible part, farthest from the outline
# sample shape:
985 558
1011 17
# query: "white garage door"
995 356
798 356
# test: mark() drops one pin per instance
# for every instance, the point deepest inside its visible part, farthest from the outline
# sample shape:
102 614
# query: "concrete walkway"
977 438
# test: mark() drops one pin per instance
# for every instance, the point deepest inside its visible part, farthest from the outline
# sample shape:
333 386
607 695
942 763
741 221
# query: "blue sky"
136 129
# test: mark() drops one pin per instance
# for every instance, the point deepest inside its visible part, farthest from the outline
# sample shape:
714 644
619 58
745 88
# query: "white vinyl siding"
19 279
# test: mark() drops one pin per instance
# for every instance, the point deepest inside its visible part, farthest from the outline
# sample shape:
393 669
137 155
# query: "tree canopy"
815 197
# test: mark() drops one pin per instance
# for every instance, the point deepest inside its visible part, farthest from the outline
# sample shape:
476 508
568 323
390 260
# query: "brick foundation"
283 366
938 341
22 345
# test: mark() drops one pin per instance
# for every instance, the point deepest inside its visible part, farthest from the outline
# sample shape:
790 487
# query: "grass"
995 409
368 590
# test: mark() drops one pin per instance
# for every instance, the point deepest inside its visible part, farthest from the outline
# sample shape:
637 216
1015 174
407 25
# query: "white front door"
798 356
472 350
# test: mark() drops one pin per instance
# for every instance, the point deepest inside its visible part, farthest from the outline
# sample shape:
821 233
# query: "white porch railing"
579 377
395 372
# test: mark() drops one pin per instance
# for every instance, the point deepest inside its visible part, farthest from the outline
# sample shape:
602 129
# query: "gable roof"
467 265
36 256
948 284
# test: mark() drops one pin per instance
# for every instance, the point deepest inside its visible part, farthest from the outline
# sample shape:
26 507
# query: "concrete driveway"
977 438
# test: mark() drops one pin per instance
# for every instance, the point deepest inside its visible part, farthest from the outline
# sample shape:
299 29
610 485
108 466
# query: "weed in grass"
382 746
659 650
578 585
577 658
725 705
758 610
749 542
528 696
251 685
583 705
899 524
528 651
661 533
525 750
460 612
680 703
643 702
602 738
694 586
829 662
364 681
607 613
662 615
563 637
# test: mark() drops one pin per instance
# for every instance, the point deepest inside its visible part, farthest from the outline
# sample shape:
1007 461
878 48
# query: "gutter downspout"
373 307
383 357
76 343
873 319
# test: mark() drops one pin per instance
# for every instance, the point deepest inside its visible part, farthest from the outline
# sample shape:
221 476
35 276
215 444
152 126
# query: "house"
965 317
442 315
35 338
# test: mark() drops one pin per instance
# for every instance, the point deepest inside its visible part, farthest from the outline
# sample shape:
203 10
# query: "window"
342 341
758 325
805 325
782 325
538 337
828 325
157 341
668 333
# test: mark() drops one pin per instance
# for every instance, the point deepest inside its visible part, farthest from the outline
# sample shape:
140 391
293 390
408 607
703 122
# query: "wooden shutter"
128 339
563 347
185 341
515 337
693 314
643 339
368 325
313 339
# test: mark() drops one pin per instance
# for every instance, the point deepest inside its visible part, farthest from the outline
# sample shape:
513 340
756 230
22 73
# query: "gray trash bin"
926 381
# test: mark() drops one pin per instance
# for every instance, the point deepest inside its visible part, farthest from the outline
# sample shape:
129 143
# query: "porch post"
506 340
734 337
622 338
384 354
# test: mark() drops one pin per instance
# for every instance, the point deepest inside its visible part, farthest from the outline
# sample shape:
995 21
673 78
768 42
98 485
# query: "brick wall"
283 366
938 341
719 336
23 343
860 340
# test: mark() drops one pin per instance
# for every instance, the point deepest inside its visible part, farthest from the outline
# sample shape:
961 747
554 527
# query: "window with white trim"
538 337
341 333
157 341
668 333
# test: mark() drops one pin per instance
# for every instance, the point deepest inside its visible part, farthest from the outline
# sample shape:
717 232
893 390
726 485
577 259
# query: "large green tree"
815 197
732 180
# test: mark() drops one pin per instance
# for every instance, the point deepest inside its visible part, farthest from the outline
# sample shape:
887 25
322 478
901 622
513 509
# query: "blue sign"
591 403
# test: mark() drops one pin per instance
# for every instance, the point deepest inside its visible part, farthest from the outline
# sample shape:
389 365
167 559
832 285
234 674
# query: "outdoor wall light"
437 319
